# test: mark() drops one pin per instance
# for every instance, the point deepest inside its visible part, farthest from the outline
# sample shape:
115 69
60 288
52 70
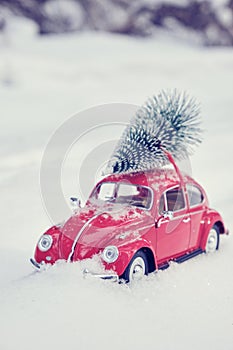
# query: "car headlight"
110 254
45 243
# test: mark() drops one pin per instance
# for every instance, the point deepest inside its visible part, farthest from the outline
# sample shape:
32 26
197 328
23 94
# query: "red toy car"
136 223
142 216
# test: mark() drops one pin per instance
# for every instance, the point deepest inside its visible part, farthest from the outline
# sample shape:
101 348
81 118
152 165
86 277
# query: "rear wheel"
137 268
212 242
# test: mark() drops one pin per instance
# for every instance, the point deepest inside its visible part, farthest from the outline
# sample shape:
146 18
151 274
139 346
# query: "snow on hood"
107 225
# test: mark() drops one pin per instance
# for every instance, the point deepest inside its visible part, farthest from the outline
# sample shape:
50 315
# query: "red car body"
165 217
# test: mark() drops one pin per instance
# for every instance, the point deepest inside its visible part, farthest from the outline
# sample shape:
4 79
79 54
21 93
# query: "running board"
164 266
181 259
188 256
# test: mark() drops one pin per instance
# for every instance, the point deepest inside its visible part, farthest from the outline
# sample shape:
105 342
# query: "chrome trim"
105 258
79 235
180 216
186 220
165 201
39 244
113 277
38 266
160 221
168 214
145 227
152 197
197 205
196 212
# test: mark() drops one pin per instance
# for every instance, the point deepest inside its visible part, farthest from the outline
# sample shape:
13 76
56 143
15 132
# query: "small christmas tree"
169 121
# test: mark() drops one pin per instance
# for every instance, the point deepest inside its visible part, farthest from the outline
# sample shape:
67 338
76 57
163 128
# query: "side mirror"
75 203
168 214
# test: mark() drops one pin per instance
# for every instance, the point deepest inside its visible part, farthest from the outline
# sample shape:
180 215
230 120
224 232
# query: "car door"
173 224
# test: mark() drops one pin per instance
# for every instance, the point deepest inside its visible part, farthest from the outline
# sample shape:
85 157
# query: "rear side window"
195 195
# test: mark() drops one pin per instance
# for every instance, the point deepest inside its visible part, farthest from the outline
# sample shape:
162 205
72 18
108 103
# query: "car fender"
127 252
53 254
211 218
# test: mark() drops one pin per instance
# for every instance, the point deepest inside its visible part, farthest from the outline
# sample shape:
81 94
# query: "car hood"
108 226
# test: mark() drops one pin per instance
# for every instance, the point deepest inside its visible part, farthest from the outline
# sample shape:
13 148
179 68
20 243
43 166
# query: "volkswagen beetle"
144 214
136 223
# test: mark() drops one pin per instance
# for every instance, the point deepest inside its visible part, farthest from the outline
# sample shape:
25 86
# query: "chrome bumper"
86 272
112 277
36 264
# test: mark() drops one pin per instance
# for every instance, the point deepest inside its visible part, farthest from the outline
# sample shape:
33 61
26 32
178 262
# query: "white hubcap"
212 241
137 269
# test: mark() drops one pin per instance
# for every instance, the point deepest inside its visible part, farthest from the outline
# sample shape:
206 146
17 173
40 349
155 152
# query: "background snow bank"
186 306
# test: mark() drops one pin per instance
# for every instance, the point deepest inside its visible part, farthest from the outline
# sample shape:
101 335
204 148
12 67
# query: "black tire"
212 241
137 268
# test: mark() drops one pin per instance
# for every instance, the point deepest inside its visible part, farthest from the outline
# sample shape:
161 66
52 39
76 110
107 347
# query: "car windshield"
126 194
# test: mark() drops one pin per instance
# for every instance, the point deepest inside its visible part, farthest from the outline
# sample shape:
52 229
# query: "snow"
186 306
225 15
68 11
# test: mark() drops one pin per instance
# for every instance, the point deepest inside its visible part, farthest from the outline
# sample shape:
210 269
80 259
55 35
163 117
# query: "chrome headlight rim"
110 254
45 243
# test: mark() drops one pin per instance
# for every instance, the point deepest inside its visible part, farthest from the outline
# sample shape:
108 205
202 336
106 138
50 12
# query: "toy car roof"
162 176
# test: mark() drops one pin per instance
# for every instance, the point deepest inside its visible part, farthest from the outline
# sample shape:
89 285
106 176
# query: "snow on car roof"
147 178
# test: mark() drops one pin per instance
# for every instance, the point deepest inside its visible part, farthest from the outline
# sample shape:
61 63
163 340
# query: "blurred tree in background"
208 22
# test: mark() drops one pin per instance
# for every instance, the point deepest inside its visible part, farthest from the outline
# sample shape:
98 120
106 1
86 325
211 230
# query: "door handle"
186 220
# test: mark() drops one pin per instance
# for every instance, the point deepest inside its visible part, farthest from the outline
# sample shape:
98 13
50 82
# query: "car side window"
175 199
172 200
195 195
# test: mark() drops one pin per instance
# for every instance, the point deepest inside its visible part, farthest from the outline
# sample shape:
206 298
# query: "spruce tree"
169 121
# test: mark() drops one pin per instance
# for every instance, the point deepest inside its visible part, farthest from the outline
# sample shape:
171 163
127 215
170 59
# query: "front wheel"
137 268
212 242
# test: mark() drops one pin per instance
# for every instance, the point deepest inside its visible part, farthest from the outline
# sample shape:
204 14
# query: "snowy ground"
44 81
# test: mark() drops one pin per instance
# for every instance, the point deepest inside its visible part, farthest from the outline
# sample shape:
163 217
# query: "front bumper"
35 264
86 273
112 277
